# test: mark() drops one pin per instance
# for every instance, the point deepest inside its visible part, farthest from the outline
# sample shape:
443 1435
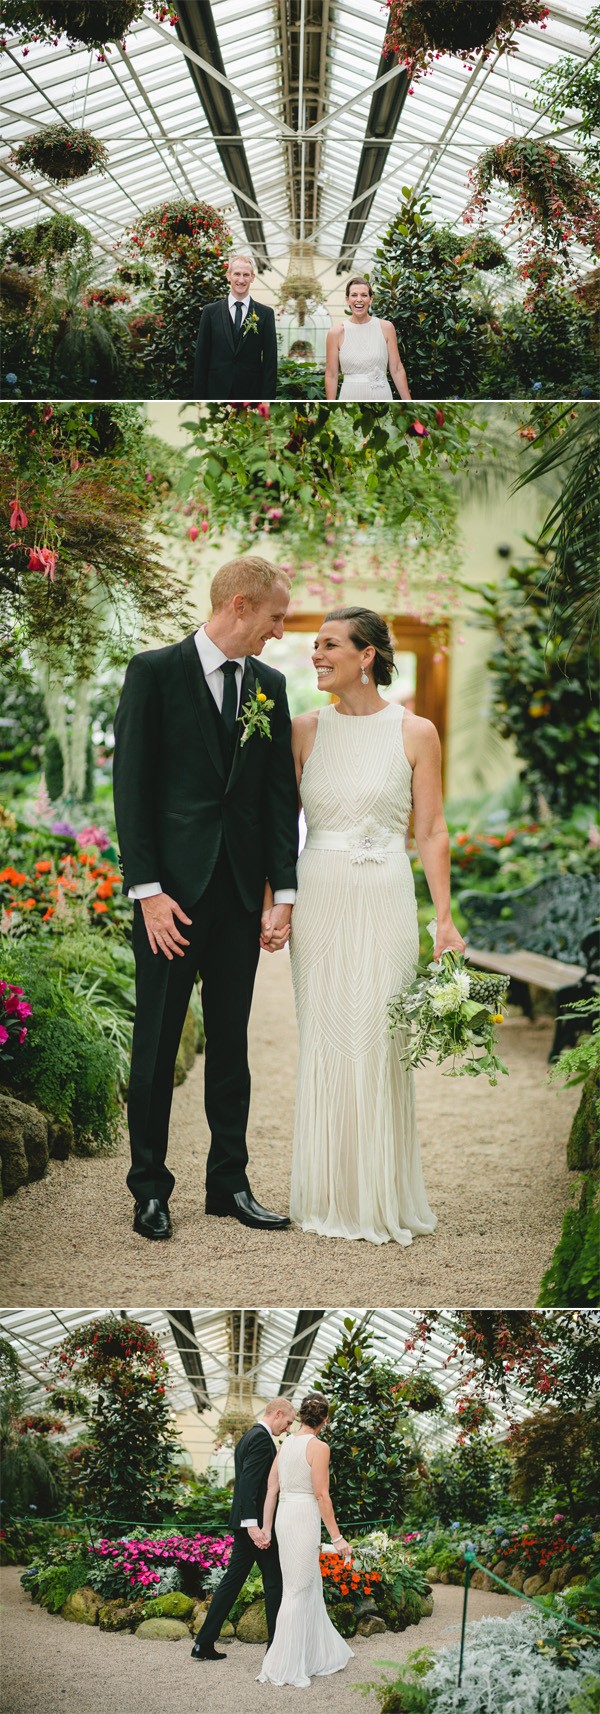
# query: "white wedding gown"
306 1645
363 360
356 1169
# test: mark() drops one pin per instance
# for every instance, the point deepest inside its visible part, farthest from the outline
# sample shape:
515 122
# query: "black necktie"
238 322
230 697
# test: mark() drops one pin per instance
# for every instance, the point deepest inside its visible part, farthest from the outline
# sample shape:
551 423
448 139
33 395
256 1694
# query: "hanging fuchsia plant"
61 154
420 31
93 23
554 204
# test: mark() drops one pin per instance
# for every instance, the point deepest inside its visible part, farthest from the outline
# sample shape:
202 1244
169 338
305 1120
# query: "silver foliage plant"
506 1672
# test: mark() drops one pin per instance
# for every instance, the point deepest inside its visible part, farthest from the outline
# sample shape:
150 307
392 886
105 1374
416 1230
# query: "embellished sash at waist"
367 844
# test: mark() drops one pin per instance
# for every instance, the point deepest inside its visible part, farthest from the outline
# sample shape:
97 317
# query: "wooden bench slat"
525 966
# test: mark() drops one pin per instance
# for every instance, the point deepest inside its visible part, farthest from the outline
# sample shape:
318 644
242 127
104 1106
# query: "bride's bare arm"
397 370
332 362
304 732
271 1499
431 834
319 1469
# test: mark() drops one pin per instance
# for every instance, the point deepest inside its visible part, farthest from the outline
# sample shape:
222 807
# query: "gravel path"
52 1667
495 1170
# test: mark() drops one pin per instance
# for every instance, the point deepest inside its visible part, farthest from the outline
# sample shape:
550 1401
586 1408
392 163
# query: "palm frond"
571 529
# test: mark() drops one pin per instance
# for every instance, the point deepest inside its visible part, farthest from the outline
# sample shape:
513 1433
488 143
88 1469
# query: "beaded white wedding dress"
364 361
306 1645
356 1168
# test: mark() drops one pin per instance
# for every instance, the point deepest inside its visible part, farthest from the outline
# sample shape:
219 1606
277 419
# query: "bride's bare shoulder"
420 736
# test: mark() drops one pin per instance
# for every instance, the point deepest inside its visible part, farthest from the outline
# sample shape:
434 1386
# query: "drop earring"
364 677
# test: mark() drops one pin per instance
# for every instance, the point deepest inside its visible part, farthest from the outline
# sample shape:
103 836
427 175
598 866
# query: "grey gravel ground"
52 1667
495 1170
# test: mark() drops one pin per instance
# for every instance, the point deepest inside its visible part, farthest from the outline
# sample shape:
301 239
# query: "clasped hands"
260 1537
274 923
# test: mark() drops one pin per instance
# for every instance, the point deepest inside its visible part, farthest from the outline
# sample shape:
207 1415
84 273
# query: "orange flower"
29 904
99 906
344 1588
105 890
12 875
49 913
43 866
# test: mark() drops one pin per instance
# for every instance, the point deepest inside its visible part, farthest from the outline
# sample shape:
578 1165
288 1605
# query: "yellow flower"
498 1017
260 696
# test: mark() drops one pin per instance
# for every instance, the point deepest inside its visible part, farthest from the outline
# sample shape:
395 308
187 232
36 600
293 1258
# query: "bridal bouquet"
450 1012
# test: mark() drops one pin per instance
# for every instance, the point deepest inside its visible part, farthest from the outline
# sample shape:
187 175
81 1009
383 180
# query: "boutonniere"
255 716
251 324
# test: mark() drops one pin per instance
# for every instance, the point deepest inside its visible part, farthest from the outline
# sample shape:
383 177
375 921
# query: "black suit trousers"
243 1556
224 946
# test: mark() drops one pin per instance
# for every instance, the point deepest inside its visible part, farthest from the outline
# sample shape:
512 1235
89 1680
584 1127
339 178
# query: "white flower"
446 998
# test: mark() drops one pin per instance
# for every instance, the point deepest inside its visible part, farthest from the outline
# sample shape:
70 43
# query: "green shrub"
344 1618
469 1481
56 1582
64 1067
584 1138
573 1278
54 767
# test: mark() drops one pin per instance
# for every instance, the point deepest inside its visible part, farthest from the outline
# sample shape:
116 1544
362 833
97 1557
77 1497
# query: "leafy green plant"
469 1481
574 1273
370 1453
61 153
65 1067
97 23
419 286
557 1445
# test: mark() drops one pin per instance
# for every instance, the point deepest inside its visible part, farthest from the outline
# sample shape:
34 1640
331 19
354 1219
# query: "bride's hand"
343 1548
447 939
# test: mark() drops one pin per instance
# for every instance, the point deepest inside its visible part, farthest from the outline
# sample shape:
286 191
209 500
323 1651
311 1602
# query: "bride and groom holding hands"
236 351
302 1642
209 771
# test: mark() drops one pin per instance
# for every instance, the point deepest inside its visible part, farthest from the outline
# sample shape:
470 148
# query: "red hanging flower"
44 560
18 519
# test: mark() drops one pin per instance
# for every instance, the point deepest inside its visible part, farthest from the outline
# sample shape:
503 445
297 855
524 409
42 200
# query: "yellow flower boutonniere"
255 716
251 324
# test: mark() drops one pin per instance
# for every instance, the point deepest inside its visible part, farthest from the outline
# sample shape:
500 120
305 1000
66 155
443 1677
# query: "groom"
254 1455
206 811
236 353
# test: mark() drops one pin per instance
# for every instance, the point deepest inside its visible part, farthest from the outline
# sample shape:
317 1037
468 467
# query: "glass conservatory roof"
290 138
202 1347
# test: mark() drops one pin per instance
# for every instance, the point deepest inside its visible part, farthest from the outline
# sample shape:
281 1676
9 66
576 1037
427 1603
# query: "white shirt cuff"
146 890
249 1524
284 896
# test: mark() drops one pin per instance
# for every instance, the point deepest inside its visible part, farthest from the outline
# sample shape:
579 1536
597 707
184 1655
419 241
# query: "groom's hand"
160 912
258 1536
275 927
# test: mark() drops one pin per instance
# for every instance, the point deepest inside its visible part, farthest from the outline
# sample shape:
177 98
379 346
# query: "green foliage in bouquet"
449 1013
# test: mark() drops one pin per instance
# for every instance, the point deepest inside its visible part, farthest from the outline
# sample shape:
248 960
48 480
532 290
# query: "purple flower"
64 829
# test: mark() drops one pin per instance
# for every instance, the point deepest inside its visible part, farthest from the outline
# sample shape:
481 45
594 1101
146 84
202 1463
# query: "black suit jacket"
254 1455
177 799
226 371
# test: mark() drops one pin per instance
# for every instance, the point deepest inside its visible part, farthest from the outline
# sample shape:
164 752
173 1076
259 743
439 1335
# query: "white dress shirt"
252 1523
211 661
245 303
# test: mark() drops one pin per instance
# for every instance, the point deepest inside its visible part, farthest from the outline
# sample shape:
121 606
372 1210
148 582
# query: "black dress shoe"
152 1219
242 1206
208 1652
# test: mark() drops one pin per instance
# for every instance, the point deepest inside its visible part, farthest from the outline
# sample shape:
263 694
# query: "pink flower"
204 527
3 1035
193 532
22 1034
44 560
264 410
18 519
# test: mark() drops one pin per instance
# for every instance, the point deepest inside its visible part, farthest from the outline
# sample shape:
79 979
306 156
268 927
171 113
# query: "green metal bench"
543 935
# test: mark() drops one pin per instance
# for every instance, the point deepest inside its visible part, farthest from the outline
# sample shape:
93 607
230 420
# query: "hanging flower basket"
419 31
419 1393
105 297
61 154
175 229
95 23
548 192
303 293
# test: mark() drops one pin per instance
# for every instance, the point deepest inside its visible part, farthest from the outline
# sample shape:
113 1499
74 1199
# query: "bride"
363 347
362 764
306 1645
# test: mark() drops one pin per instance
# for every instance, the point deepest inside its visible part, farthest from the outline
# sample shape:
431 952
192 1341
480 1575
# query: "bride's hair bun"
313 1410
367 628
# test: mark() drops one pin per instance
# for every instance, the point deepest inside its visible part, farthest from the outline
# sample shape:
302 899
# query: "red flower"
18 520
44 560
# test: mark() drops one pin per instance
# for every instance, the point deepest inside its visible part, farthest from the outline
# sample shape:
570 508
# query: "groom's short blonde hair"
249 575
280 1404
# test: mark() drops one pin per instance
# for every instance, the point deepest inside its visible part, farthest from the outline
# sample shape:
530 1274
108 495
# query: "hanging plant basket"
176 229
303 293
549 194
95 23
61 154
419 1393
420 30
